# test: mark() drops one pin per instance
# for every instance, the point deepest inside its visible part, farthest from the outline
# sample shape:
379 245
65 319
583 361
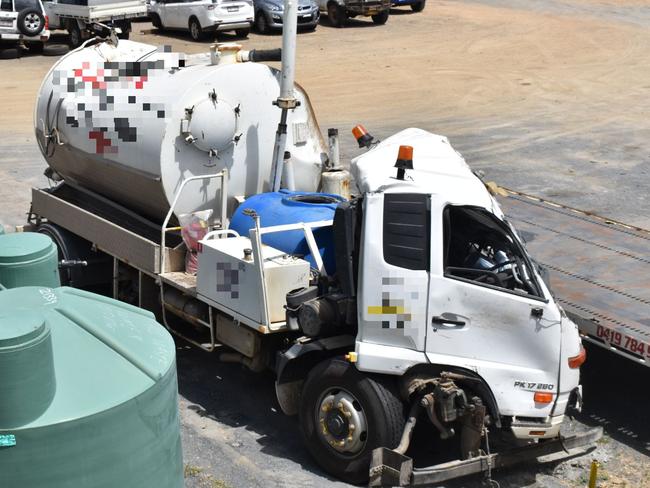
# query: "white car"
203 16
23 20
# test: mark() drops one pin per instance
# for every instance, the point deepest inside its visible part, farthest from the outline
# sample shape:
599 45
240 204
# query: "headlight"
274 7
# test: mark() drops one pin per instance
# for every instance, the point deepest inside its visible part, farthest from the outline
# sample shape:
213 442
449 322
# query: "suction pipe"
287 99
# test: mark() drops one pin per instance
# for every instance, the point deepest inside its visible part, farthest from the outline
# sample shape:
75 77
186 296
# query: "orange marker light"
361 135
543 397
405 153
576 361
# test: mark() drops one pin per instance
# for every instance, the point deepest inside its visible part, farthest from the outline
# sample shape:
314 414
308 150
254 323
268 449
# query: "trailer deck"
599 270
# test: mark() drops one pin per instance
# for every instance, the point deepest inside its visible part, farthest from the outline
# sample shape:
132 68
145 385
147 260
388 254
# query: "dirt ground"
547 97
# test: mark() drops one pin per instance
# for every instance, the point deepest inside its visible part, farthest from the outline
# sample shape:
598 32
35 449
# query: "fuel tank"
132 121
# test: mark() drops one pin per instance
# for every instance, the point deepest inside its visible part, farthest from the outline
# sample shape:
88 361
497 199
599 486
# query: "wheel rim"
194 30
342 423
334 16
74 37
32 22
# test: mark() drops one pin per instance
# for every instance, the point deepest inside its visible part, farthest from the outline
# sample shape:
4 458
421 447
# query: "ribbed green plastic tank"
28 259
88 393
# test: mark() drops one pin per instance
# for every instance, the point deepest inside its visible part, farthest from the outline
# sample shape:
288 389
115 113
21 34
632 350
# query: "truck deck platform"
599 268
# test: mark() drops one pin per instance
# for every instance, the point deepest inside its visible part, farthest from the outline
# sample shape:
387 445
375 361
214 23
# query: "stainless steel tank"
132 121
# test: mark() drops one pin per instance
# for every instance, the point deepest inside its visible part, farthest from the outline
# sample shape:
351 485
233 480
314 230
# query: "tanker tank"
132 121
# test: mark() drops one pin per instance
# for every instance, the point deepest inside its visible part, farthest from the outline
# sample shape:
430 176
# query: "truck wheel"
155 21
30 22
380 18
419 6
125 27
74 35
55 49
196 32
336 14
344 415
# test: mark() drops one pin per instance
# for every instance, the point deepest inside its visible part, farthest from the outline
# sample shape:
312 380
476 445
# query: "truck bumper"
389 468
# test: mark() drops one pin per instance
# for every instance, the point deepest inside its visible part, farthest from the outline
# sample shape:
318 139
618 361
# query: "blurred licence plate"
232 9
6 22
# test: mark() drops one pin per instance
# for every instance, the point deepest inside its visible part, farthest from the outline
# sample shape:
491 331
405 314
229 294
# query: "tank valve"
248 254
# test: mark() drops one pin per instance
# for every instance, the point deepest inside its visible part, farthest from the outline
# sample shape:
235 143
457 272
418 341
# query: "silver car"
269 15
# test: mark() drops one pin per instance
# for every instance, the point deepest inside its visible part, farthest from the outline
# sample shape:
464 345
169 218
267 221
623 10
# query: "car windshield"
23 4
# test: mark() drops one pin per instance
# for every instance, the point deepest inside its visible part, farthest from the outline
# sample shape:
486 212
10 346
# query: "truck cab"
446 280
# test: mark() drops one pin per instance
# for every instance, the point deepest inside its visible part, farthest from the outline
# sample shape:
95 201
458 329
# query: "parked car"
23 20
81 18
203 16
339 11
269 15
416 5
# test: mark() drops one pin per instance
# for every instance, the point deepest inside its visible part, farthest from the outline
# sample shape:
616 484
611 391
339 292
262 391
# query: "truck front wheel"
336 14
344 415
380 18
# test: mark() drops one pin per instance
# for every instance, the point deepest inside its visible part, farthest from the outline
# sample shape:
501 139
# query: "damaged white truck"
413 302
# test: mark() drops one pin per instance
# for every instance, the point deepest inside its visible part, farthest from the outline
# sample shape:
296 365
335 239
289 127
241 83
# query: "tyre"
30 22
75 38
55 49
96 274
419 6
344 415
10 52
125 27
196 32
35 47
381 17
243 33
336 14
156 22
262 23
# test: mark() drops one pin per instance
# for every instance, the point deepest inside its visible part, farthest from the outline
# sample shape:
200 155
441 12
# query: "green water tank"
28 259
88 393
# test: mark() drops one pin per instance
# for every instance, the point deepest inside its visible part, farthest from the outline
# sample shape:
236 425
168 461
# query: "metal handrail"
223 174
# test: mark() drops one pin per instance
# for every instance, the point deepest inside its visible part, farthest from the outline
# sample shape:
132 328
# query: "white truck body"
94 11
435 303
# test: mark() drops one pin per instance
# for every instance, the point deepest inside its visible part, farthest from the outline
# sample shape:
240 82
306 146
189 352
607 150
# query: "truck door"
488 311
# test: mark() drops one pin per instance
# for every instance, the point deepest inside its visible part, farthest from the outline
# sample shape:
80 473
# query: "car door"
488 310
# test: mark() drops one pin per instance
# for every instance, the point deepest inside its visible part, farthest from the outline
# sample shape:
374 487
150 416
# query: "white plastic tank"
132 121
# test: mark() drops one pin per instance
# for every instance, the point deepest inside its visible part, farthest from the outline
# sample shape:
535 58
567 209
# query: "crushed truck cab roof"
437 169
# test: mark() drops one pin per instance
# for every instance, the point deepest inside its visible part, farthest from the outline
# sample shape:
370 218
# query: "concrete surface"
546 97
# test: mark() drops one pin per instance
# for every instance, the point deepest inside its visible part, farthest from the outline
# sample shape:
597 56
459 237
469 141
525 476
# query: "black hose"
257 55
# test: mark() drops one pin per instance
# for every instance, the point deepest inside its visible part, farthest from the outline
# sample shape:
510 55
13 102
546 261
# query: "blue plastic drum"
290 207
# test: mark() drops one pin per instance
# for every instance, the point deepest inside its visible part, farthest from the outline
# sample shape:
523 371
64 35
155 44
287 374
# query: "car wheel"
380 18
156 22
261 23
336 14
30 22
10 52
74 35
243 33
345 415
196 32
419 6
55 49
